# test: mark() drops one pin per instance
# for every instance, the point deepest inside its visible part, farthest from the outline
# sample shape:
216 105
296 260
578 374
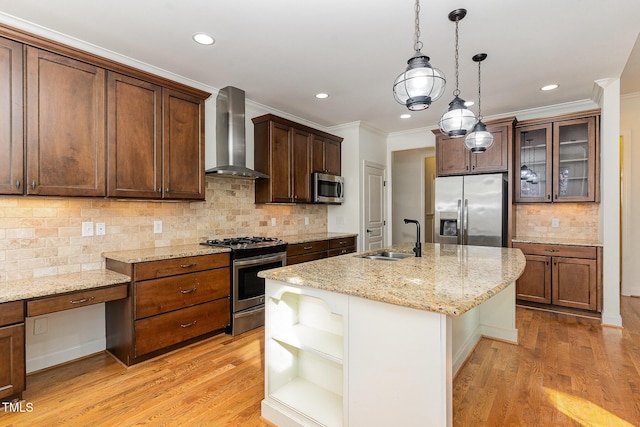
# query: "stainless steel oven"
249 256
248 290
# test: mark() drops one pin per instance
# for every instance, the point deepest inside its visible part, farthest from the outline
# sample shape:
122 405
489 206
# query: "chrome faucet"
418 247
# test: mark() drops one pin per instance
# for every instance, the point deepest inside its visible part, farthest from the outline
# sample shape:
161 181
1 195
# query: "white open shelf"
322 343
312 401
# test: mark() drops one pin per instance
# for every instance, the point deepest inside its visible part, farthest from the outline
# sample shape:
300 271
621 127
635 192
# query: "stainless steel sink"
388 256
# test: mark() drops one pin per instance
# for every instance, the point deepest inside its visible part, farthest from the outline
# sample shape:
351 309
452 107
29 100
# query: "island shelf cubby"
305 349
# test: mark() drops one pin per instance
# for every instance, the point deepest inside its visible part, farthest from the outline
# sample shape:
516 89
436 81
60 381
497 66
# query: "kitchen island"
357 341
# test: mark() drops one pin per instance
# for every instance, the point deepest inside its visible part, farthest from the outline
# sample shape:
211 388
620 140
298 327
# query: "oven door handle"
262 259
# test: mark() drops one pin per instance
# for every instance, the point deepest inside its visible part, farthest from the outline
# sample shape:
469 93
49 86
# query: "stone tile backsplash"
42 236
576 220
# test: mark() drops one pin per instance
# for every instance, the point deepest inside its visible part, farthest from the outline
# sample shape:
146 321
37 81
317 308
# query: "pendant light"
480 138
419 84
525 172
458 120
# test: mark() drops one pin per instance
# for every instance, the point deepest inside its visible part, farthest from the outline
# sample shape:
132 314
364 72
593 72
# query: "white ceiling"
283 52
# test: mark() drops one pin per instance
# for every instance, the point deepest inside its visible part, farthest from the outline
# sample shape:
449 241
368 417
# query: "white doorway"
374 206
412 177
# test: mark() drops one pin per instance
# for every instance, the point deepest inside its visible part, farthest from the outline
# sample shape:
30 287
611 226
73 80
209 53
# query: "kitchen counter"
158 254
447 279
557 241
63 283
314 237
355 341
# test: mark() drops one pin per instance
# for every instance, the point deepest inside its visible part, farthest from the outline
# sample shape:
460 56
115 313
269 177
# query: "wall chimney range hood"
230 136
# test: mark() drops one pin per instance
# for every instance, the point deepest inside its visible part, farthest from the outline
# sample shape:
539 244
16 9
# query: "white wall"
361 143
630 130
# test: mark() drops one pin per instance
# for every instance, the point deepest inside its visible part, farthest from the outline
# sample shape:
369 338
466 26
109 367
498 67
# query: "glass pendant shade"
419 84
479 139
525 172
535 178
458 120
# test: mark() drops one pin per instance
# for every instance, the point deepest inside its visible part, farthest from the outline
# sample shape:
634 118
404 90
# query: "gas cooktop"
256 245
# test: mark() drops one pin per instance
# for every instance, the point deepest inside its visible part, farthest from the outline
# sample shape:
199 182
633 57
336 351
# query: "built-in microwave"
327 188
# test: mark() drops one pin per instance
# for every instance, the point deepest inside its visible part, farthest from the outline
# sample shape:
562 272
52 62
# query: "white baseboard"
62 356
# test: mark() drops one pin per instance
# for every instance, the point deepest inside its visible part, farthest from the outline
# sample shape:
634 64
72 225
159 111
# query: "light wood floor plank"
566 371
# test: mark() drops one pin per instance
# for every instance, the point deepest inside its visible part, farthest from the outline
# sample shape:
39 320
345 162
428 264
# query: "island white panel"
498 316
399 364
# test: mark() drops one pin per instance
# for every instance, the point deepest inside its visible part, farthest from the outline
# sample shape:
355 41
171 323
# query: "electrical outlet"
306 220
40 326
273 222
555 222
157 227
100 229
87 229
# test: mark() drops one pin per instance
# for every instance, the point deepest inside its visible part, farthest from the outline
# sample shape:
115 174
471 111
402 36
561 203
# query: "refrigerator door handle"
466 221
459 223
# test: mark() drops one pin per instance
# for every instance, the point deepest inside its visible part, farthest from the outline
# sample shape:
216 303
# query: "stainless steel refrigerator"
471 210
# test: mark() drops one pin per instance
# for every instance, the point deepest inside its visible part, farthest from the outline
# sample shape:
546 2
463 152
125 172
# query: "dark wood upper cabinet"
135 137
326 155
183 146
289 152
452 158
92 127
65 126
11 118
564 154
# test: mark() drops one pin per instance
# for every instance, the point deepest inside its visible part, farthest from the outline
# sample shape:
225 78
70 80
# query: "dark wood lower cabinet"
318 249
570 277
12 354
171 302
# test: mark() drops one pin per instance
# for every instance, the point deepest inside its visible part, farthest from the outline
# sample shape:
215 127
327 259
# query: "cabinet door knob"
159 190
17 183
33 184
167 190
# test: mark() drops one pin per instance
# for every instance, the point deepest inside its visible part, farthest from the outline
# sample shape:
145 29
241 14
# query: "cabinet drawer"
171 267
11 312
41 306
342 242
308 247
171 328
342 251
557 250
172 293
306 257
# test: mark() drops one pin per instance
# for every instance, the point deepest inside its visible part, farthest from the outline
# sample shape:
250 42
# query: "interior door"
373 206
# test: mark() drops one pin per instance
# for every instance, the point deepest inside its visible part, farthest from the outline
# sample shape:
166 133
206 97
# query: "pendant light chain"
479 84
456 92
417 46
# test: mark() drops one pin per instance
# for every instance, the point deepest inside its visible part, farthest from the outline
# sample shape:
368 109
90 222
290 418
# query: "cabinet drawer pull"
342 252
552 250
81 300
17 183
306 248
187 325
188 291
342 242
193 264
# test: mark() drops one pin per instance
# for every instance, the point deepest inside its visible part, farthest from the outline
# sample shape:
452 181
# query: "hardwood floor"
567 371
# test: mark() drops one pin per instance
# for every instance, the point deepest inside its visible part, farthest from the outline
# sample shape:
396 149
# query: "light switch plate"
87 229
273 222
555 222
157 227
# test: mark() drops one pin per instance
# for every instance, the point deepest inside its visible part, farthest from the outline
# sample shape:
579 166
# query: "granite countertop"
314 237
557 241
447 279
63 283
157 254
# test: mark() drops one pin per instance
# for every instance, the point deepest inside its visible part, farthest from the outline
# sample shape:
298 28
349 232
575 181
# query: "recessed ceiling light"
322 95
405 116
203 38
549 87
468 103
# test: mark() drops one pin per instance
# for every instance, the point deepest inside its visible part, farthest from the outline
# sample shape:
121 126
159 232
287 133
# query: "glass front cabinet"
558 161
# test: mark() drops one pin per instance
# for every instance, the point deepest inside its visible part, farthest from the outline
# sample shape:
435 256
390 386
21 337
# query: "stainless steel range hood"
230 136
